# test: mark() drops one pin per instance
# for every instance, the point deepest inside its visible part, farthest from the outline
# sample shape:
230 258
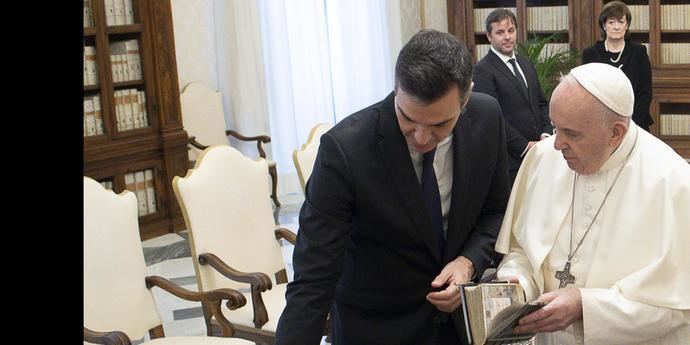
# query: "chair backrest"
304 157
115 293
203 116
227 213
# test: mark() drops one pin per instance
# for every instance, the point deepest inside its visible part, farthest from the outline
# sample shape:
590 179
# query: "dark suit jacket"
637 68
365 241
527 116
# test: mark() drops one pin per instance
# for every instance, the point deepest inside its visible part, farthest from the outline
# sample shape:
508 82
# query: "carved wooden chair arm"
286 234
192 141
262 138
259 139
258 280
235 298
212 299
106 338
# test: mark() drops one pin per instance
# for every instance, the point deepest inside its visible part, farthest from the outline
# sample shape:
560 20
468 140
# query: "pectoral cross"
564 276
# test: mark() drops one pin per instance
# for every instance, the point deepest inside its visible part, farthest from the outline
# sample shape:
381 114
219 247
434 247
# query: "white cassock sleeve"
516 264
610 318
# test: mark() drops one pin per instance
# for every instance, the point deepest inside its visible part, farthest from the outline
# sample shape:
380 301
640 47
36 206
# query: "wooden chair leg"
274 179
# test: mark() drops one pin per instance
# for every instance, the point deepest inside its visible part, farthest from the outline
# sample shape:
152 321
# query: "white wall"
195 42
435 17
194 24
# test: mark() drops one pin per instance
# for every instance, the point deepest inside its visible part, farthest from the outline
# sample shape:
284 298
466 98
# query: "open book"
492 310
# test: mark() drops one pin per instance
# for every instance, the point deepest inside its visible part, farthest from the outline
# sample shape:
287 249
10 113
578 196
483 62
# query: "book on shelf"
140 183
97 114
109 13
150 191
492 310
90 66
119 8
88 18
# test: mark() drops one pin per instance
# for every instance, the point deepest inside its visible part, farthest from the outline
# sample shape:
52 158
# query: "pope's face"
425 125
582 136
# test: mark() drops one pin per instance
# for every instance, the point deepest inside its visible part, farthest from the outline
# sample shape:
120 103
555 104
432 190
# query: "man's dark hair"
430 63
614 9
498 15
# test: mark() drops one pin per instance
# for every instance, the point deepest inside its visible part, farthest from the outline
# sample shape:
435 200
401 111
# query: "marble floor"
169 256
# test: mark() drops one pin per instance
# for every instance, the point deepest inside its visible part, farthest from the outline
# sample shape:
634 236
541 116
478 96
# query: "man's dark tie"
432 198
518 76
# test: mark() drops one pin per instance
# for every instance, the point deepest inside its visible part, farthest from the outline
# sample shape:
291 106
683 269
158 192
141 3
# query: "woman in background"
617 50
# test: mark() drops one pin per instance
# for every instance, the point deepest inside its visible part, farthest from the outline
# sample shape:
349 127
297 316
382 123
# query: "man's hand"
456 272
563 307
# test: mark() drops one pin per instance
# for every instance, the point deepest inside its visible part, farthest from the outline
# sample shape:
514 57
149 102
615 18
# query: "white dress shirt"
443 167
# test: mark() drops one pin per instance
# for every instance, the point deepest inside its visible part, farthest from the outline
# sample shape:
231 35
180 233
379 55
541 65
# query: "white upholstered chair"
304 157
232 232
118 302
204 120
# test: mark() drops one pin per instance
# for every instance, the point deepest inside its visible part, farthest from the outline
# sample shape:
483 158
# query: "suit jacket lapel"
507 73
395 155
532 81
458 229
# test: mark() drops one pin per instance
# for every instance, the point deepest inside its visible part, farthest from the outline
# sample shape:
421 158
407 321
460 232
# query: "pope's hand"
563 307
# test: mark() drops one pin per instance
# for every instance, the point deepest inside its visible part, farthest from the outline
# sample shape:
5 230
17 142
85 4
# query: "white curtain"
323 60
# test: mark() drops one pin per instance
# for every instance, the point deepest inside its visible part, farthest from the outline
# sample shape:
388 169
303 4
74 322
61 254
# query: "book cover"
492 310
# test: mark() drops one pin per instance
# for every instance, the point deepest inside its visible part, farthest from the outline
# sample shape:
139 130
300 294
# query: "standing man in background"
512 80
404 203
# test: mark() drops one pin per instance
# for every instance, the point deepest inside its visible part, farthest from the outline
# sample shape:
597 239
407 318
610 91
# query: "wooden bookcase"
157 142
670 80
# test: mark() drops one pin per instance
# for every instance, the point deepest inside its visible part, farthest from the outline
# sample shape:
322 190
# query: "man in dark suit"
404 202
521 97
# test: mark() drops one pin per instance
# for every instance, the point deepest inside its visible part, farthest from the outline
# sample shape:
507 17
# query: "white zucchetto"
608 84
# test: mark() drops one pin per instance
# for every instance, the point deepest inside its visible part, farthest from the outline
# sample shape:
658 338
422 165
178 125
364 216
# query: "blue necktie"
432 198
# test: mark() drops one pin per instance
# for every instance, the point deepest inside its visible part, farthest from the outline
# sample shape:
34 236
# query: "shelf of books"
639 23
672 124
545 18
674 34
133 136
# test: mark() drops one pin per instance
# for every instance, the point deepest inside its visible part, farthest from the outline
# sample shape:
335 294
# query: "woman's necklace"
606 46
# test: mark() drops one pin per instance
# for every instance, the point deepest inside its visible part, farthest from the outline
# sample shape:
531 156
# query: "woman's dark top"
635 64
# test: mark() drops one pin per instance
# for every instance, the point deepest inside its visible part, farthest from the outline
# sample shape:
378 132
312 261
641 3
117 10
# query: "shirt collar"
503 58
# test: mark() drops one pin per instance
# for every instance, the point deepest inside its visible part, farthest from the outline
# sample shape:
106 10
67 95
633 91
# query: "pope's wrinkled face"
424 125
583 137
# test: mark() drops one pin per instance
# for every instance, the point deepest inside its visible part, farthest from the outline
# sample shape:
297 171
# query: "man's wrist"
470 266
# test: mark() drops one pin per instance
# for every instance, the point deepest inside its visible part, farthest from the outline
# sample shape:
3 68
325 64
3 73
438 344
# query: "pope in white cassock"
598 223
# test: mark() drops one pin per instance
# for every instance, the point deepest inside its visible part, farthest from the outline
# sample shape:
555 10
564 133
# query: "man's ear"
620 128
